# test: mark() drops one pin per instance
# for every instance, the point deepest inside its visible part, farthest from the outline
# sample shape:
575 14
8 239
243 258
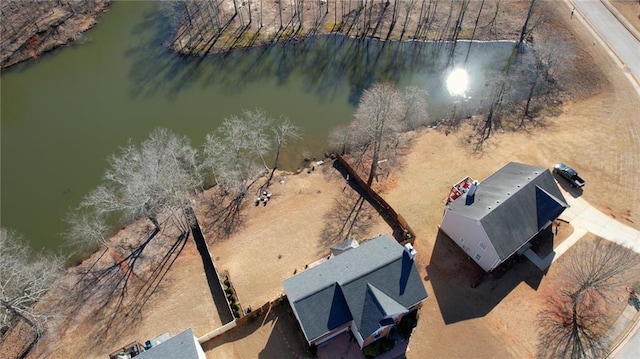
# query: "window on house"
483 246
478 256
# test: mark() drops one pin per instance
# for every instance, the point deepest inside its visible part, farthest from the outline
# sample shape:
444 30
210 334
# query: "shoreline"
45 29
231 28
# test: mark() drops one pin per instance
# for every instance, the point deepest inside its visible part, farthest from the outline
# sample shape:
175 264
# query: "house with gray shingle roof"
366 290
184 346
498 217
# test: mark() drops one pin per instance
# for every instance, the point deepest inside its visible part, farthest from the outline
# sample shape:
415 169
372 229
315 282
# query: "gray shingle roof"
513 204
344 246
182 346
364 284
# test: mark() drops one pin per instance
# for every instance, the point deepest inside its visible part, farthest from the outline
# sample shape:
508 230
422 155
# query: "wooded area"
31 28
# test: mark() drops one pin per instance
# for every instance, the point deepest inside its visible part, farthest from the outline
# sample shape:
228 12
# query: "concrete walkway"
585 218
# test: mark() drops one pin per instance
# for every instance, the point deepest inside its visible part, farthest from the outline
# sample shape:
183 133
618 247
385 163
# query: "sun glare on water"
458 82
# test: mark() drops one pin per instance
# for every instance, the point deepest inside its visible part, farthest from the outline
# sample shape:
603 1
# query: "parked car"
569 174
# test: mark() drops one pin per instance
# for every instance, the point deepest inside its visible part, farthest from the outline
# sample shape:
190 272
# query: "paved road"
611 30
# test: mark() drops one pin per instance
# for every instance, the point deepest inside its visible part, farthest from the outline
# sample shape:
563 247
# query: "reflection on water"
458 82
64 114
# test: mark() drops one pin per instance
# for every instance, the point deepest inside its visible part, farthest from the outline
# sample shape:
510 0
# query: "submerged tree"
24 279
574 324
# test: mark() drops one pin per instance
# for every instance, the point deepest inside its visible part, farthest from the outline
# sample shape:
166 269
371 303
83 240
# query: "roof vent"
471 194
408 248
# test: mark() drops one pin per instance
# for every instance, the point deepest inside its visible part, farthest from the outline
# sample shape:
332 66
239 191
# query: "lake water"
63 114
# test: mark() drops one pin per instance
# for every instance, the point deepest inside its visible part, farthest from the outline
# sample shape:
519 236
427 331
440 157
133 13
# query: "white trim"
332 335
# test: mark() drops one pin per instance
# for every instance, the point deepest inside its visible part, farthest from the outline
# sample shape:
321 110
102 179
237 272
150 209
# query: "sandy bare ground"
597 134
285 235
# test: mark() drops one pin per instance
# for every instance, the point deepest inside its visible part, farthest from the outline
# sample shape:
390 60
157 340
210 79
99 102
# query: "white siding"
468 234
199 350
356 334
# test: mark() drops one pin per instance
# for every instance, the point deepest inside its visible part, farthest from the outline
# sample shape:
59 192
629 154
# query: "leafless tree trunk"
475 27
157 178
382 114
525 27
408 11
282 132
280 12
492 22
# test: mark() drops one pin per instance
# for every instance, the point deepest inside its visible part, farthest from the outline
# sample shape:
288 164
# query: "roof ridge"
388 262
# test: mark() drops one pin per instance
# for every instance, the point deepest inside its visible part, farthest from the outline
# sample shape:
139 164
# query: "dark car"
569 174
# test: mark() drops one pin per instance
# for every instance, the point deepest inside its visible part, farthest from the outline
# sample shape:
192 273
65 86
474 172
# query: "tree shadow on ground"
116 289
349 217
452 274
397 231
224 214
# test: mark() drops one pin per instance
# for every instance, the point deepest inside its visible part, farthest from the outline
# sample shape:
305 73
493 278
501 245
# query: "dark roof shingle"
364 284
513 204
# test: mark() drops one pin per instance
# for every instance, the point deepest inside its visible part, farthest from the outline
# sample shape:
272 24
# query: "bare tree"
160 176
236 152
282 132
551 59
155 180
86 228
416 108
378 121
535 16
235 155
24 279
574 324
383 113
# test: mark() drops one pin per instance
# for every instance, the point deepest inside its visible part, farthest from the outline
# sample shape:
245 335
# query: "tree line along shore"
32 28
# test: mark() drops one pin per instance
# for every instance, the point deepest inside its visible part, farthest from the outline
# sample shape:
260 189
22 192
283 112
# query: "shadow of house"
452 274
285 339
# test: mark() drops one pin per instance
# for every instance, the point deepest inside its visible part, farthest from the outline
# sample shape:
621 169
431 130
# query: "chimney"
471 194
408 248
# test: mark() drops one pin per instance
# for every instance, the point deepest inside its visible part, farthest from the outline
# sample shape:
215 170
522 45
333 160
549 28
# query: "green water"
65 113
